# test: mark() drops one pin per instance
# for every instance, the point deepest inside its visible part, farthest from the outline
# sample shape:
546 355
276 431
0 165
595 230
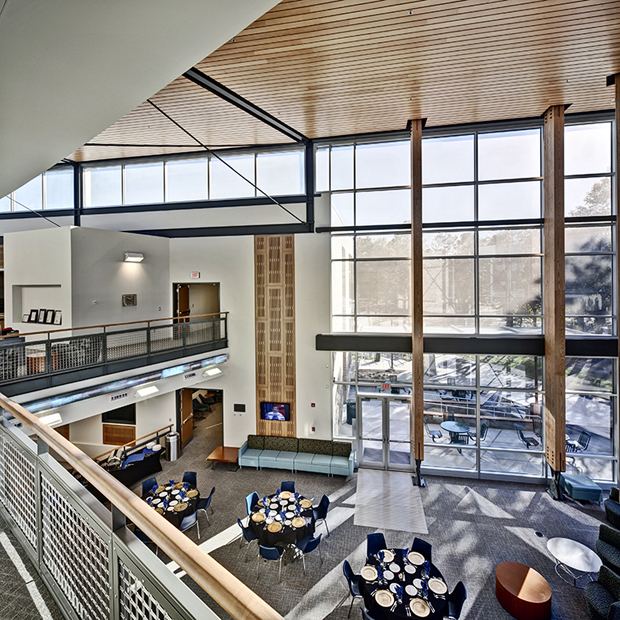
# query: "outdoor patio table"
459 432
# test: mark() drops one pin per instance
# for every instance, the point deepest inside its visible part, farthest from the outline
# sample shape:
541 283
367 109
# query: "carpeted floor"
473 525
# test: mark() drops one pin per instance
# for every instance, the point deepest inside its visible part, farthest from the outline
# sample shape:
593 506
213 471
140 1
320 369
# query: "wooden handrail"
132 443
228 591
75 329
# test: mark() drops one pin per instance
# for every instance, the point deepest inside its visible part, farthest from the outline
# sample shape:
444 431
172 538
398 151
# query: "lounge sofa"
608 547
603 596
313 455
612 507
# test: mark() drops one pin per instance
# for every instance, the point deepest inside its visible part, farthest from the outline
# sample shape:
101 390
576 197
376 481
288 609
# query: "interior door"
371 431
182 302
187 416
399 433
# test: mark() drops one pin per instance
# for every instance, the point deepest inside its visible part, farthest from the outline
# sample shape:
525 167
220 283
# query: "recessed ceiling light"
53 418
147 390
211 372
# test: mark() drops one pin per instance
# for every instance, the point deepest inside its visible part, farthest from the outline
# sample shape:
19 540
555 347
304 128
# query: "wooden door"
183 302
187 416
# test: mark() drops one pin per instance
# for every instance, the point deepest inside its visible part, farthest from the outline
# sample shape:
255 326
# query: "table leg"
574 577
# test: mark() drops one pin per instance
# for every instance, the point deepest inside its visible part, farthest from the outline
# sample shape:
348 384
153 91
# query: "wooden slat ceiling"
349 66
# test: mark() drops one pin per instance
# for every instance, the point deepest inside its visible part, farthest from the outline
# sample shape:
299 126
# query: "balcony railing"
41 358
86 554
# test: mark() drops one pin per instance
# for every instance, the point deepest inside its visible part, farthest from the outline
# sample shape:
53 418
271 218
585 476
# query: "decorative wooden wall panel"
274 273
417 328
118 434
554 289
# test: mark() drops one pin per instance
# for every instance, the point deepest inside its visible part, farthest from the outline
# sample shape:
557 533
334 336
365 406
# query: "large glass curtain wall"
482 214
275 172
51 190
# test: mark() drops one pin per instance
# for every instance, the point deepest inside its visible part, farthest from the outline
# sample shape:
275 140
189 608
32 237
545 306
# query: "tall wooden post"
617 195
554 293
417 326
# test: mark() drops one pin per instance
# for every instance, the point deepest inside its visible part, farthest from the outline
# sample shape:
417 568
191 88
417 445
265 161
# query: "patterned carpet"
473 525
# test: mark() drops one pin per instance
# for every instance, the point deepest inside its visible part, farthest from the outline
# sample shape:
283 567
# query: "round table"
288 535
171 494
402 578
456 430
522 591
570 554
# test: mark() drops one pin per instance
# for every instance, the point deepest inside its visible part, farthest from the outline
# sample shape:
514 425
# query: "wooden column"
274 275
417 325
616 143
554 292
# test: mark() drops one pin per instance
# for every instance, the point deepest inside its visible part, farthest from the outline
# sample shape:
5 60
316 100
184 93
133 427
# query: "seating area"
310 455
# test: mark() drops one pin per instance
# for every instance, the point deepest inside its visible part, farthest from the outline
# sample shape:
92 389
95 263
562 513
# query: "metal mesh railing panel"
76 352
198 333
135 601
75 555
126 344
12 360
167 337
18 490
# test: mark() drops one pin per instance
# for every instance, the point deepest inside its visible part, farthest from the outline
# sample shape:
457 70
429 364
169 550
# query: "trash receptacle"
172 446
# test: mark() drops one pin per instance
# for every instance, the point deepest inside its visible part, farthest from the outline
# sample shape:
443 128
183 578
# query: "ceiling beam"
198 77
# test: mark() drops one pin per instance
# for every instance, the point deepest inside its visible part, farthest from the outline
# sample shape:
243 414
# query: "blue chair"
140 535
320 512
288 486
272 554
421 546
250 501
147 485
307 545
455 601
354 583
190 476
375 542
189 522
204 504
248 535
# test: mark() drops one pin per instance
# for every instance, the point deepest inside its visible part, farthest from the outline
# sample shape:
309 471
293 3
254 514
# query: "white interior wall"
100 274
155 413
87 435
37 274
229 261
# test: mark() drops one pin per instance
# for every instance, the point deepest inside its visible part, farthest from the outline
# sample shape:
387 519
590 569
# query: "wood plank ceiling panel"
353 66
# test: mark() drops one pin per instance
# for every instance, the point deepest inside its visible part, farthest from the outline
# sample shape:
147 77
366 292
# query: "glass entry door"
384 432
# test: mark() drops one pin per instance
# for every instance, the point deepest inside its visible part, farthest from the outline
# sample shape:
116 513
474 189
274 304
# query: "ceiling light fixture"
147 390
212 372
134 257
52 418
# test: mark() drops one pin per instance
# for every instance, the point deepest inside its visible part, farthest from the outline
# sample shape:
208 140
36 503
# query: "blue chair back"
312 544
322 508
202 504
190 476
352 579
250 501
288 486
456 599
271 553
147 485
375 542
421 546
140 535
209 498
246 532
189 521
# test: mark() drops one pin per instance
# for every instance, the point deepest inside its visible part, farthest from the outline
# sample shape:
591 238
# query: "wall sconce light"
134 257
53 418
147 390
212 372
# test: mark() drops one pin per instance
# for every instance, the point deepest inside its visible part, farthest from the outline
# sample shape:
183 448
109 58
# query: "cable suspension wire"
21 204
214 154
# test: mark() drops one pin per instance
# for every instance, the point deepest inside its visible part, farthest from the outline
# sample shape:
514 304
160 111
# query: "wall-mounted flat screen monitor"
122 415
275 411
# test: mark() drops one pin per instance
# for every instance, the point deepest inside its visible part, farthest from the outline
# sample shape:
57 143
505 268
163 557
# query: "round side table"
522 591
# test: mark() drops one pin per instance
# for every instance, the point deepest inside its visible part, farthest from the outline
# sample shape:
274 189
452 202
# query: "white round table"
571 555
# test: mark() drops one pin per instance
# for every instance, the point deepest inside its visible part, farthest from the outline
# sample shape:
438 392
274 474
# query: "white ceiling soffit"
71 68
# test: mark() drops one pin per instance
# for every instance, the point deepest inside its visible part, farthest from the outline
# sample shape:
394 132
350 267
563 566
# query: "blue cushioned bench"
313 455
581 488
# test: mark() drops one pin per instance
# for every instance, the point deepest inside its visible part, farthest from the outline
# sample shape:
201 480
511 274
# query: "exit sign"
194 275
385 386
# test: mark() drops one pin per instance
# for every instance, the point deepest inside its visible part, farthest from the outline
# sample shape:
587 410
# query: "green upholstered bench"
581 488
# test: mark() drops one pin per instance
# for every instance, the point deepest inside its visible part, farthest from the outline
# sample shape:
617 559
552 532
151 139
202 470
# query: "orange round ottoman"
522 591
